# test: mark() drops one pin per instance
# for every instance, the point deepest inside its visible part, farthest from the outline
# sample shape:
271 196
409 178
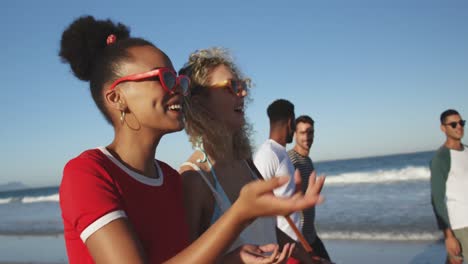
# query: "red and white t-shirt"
96 189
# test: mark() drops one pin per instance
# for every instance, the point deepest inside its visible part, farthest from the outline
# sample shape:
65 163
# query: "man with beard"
272 159
299 155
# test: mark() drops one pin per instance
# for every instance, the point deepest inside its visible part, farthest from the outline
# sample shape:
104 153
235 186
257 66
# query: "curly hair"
201 124
83 46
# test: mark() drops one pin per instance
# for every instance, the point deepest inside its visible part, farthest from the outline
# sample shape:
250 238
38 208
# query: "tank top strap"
252 173
224 202
216 195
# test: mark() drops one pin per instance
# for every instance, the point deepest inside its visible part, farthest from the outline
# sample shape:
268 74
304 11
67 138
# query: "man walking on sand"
299 155
449 187
272 159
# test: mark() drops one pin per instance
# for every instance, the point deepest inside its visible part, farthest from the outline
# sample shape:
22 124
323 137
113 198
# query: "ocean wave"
6 200
38 199
381 176
31 199
387 236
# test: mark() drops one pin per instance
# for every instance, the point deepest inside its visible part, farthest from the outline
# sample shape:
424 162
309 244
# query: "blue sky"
375 75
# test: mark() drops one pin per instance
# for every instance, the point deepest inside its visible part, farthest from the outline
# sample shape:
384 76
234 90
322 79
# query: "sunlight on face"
226 106
454 133
304 135
148 104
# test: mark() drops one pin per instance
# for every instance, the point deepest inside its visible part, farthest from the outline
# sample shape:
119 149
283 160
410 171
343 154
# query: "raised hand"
298 180
315 182
257 198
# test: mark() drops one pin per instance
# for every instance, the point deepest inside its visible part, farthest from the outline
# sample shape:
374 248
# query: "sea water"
381 198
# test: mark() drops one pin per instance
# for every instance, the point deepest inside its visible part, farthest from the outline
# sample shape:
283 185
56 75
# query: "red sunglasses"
167 77
234 86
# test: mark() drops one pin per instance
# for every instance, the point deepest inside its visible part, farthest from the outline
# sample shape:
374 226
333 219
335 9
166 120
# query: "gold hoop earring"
122 117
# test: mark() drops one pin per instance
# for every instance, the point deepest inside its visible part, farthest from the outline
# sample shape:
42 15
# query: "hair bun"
84 40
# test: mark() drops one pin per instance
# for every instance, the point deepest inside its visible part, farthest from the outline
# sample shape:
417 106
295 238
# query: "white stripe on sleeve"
100 222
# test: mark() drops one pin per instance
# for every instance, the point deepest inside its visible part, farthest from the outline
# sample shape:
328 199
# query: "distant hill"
11 186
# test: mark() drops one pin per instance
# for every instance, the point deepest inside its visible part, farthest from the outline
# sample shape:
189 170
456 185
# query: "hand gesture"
254 254
257 198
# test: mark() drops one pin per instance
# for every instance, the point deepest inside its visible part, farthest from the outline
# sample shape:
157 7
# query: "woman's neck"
226 158
217 156
136 151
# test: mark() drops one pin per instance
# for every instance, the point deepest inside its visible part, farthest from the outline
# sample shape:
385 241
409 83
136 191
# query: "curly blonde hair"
201 124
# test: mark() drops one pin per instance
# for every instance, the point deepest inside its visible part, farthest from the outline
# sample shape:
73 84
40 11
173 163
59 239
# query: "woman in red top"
119 204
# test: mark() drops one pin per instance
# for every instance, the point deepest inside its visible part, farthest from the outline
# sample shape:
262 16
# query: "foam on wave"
381 176
387 236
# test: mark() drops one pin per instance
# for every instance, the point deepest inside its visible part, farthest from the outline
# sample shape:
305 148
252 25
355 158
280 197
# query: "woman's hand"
257 198
254 254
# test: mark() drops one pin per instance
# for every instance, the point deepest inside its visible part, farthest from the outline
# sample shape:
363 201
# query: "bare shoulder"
191 176
198 197
193 159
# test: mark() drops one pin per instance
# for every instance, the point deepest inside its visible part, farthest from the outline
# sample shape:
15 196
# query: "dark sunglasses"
168 78
234 86
454 124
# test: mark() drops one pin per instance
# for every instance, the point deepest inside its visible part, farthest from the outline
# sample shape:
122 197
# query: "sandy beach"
51 249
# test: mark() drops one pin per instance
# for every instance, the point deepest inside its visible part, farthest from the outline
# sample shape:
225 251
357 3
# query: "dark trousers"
319 249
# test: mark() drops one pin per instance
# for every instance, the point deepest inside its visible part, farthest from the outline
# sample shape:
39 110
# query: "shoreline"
50 249
386 252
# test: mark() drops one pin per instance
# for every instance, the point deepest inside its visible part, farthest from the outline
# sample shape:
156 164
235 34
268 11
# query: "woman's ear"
115 100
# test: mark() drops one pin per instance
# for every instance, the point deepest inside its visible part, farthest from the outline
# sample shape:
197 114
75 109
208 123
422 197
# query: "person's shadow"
433 254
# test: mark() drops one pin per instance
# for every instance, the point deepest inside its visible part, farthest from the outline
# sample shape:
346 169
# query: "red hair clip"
111 39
